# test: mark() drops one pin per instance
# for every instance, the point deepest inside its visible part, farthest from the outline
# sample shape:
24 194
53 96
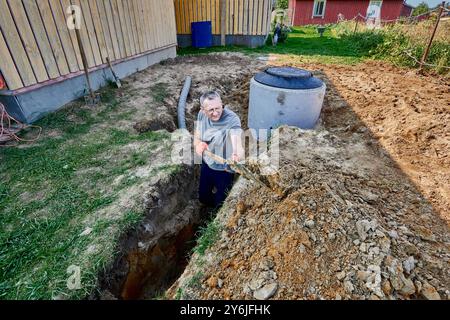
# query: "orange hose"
7 124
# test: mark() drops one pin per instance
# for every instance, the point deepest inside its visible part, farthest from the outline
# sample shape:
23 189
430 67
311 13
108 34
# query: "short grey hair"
210 95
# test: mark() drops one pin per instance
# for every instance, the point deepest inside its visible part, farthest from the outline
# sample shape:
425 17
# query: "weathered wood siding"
243 17
36 44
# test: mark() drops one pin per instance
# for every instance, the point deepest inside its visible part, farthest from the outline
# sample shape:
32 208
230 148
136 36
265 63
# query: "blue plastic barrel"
201 34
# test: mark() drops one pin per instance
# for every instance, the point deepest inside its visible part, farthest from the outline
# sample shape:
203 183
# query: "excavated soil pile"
366 211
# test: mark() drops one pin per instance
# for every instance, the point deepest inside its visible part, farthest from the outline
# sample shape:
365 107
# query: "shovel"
240 169
116 78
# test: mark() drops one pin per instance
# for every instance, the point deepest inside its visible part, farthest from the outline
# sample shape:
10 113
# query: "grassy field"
58 198
303 45
341 45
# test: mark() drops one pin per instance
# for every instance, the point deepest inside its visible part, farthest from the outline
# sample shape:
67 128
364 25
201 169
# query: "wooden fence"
36 44
243 17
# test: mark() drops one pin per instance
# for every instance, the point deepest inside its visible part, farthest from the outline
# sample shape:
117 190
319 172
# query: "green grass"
159 92
207 236
53 190
303 45
340 45
196 280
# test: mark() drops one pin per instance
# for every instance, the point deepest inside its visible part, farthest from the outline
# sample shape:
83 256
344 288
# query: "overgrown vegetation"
402 44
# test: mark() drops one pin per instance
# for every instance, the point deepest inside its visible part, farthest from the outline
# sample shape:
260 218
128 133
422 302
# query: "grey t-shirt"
217 134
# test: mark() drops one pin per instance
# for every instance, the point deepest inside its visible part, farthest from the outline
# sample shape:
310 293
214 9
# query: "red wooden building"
327 11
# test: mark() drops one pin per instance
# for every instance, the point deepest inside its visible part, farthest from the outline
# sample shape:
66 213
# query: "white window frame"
316 3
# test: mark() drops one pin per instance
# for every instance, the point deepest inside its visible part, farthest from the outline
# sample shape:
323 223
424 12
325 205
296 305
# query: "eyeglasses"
212 110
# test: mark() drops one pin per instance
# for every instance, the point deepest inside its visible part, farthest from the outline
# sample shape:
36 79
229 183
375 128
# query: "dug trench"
154 254
353 224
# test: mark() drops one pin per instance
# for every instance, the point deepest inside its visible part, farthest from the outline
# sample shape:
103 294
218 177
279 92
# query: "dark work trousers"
209 178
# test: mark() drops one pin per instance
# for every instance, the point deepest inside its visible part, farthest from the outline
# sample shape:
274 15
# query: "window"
374 9
319 8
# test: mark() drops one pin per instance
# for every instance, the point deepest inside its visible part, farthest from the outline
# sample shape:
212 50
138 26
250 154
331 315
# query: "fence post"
427 50
356 25
223 22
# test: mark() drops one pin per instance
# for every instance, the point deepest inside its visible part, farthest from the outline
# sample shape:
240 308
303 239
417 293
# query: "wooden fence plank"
141 23
63 32
114 29
146 29
228 17
105 27
269 17
208 11
177 15
123 25
85 38
55 41
261 14
73 39
101 41
252 20
245 23
8 67
41 38
267 13
213 16
174 26
12 37
127 18
155 22
151 23
91 31
119 28
241 17
134 28
218 20
137 24
29 42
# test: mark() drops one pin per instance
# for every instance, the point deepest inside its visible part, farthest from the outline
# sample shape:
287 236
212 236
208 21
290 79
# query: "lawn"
303 45
59 197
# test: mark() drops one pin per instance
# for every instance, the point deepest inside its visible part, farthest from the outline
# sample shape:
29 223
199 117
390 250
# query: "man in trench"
217 129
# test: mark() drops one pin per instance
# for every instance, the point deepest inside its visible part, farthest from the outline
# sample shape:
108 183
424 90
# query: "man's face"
213 109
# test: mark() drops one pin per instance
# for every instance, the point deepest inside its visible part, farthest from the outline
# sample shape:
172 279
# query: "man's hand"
235 157
201 147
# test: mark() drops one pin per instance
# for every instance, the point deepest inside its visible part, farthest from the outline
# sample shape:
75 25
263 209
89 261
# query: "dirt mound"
343 231
366 212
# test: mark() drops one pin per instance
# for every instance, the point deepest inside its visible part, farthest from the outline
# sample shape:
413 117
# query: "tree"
420 9
282 4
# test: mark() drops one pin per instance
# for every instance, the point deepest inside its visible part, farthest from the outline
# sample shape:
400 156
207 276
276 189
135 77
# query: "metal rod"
427 50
